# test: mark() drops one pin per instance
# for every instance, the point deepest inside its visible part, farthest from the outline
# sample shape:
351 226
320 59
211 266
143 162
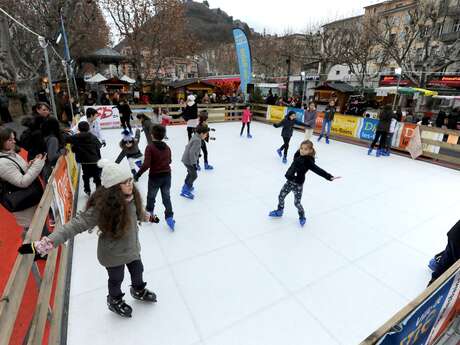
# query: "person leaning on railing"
11 164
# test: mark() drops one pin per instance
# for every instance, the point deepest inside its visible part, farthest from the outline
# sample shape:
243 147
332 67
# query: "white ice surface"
230 275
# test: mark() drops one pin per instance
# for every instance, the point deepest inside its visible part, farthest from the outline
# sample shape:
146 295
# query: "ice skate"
279 152
302 221
208 166
119 306
276 213
143 295
171 223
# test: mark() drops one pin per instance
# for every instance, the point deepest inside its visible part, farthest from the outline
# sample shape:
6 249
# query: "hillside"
211 27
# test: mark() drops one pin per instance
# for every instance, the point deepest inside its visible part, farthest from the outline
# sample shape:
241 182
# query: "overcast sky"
277 16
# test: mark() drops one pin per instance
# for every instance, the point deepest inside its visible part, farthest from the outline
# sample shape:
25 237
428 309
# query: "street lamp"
302 78
398 72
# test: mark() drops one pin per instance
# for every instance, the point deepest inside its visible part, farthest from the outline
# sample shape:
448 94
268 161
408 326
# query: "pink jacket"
246 116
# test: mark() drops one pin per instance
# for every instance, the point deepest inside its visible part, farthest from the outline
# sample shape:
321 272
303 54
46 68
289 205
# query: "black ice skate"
118 306
143 295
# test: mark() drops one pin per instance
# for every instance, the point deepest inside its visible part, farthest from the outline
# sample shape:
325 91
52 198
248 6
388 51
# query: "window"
456 26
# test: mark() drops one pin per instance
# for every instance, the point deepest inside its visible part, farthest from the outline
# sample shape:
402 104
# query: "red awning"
449 81
393 81
222 80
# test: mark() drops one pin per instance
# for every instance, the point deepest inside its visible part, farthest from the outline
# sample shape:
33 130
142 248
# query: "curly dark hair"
113 211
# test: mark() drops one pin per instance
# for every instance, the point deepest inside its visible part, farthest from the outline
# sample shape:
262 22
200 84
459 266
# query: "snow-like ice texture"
230 275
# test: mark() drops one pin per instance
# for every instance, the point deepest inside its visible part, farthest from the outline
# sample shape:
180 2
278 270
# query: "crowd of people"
115 205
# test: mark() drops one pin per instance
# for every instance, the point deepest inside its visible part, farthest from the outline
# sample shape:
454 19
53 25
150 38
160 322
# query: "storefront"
333 91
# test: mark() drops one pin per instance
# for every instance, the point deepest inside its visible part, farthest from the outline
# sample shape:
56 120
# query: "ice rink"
231 275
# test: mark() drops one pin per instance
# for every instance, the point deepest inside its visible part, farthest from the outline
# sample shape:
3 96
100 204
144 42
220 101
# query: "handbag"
16 199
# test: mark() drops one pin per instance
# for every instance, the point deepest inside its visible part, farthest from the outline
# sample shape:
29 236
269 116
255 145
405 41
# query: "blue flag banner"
66 43
244 58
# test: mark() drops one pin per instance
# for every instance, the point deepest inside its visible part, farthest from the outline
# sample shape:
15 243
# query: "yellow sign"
345 125
276 113
72 167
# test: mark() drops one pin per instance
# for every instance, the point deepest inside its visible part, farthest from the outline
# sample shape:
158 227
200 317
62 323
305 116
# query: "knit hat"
190 100
126 135
113 173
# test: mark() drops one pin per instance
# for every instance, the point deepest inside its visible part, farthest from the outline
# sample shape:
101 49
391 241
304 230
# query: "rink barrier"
60 196
425 320
109 116
439 144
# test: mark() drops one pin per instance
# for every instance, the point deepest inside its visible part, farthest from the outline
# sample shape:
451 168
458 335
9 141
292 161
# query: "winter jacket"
32 139
300 166
87 147
192 150
246 116
132 151
157 158
94 128
329 113
288 126
10 173
53 151
125 110
110 252
384 121
310 118
190 114
147 128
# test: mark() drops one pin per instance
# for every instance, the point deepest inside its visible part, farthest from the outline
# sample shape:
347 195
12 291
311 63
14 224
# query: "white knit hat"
190 100
113 173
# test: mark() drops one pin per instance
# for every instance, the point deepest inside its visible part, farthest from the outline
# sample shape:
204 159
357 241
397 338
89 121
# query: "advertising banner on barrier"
344 125
299 113
415 147
368 128
406 133
276 113
109 116
319 122
425 323
432 136
73 168
63 195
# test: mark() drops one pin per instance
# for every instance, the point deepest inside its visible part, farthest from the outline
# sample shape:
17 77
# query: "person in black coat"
304 160
288 129
32 139
87 149
125 115
190 115
440 119
383 128
442 261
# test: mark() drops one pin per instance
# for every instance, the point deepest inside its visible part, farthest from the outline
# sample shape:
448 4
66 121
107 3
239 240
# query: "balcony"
450 36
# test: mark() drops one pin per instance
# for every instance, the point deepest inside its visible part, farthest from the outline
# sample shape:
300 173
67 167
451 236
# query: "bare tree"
416 47
21 58
154 30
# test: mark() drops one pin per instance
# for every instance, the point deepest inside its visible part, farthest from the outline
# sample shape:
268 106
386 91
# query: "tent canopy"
128 79
405 91
97 78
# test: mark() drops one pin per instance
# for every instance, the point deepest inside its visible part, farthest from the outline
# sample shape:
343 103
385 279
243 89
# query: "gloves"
154 219
103 143
39 248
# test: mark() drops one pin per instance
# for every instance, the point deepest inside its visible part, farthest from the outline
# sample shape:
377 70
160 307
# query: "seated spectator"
11 164
32 139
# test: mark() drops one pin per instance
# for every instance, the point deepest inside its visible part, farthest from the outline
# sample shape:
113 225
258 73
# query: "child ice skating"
92 117
288 129
190 159
246 121
382 130
327 121
115 208
310 120
203 121
130 149
147 125
304 160
190 115
87 149
157 158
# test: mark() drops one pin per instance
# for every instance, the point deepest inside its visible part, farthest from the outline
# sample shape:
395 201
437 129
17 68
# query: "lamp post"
398 71
44 44
302 77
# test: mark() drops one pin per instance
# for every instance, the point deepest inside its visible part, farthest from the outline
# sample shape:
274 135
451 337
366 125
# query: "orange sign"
63 194
407 133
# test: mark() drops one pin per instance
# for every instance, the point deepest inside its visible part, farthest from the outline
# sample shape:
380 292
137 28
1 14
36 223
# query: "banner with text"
109 116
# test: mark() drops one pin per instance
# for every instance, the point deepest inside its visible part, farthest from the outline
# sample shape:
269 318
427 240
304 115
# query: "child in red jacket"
246 120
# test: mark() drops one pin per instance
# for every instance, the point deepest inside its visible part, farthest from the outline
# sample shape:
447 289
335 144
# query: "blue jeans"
328 130
162 183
